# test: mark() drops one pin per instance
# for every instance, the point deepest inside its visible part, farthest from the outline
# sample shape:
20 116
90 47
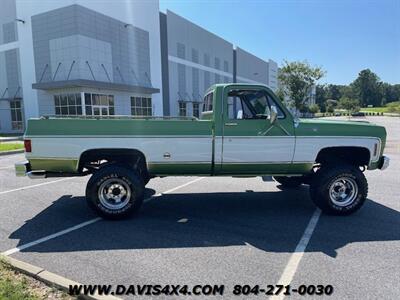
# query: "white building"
78 57
91 57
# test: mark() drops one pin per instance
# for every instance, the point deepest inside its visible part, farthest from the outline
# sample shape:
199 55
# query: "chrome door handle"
230 124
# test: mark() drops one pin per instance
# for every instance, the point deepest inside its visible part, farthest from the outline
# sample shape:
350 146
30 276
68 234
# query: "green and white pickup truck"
244 131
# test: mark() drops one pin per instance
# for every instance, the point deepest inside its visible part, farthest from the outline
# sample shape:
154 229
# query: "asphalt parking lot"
210 231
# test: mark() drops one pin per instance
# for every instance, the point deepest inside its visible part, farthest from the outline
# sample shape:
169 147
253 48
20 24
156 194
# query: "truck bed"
57 143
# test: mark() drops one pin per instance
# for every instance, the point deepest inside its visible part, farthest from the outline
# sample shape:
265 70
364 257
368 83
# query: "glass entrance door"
100 110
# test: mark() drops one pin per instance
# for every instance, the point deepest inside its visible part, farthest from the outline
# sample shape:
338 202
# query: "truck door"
251 144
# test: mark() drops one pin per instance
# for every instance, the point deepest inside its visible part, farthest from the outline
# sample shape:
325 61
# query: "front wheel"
115 192
339 190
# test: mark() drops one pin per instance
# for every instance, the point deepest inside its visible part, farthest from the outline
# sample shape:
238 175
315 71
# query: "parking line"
294 261
84 224
173 189
35 185
179 187
49 237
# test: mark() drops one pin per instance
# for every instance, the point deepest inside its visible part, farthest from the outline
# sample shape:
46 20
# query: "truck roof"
239 84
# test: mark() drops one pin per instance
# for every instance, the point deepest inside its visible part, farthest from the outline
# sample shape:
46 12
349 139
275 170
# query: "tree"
297 79
351 105
348 92
314 108
330 105
368 88
330 108
391 93
280 94
334 91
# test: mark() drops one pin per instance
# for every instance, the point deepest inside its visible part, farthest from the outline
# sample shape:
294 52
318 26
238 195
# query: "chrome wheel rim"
114 193
343 191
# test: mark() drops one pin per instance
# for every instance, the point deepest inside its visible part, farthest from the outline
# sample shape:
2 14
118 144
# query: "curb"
11 152
11 139
50 279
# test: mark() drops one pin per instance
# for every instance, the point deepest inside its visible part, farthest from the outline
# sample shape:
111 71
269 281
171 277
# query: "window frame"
17 120
137 106
68 102
206 102
98 100
180 109
270 100
197 109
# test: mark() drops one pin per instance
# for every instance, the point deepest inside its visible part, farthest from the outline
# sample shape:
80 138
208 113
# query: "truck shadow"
270 221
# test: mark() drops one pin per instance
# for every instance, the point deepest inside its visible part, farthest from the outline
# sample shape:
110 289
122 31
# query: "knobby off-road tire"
289 182
339 190
115 192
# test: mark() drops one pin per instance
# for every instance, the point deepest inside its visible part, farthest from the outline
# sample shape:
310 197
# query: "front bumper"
24 169
383 163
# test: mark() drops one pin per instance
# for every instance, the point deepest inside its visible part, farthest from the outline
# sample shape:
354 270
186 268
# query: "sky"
341 36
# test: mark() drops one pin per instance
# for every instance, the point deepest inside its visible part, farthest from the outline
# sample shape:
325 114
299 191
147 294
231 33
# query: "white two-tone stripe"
198 149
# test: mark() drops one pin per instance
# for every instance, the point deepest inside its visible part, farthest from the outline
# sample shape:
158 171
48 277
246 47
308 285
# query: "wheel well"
98 157
354 155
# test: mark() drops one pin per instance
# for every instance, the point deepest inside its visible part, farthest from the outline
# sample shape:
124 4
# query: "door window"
251 104
99 105
196 112
100 110
182 109
16 115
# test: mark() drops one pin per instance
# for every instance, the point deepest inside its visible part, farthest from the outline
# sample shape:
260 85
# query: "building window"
195 83
68 104
196 112
16 115
141 106
181 50
181 78
182 109
195 56
216 63
226 66
99 104
207 80
206 59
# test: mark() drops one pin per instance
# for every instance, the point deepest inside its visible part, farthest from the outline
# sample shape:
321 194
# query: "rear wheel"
339 190
115 192
289 182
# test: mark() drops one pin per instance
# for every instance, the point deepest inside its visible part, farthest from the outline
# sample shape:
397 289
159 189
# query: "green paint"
179 168
318 127
212 124
266 169
116 127
231 169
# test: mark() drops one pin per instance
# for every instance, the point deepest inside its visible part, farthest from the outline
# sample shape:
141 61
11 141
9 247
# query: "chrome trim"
21 168
38 174
385 163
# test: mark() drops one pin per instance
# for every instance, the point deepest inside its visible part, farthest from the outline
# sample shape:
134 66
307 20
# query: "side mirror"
274 114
